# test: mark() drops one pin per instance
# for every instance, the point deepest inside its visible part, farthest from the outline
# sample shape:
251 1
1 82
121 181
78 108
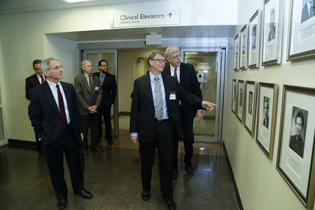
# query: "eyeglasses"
58 67
104 65
160 60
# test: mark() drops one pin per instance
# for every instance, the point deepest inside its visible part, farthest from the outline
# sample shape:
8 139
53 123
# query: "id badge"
97 88
172 95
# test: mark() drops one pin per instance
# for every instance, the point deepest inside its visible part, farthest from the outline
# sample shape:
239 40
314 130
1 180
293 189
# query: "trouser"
91 121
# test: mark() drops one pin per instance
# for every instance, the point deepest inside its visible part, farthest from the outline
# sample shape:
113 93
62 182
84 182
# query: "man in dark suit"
33 81
108 83
186 76
89 94
55 116
296 141
308 10
266 112
155 120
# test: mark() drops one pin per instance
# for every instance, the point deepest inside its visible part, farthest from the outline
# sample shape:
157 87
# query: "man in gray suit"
89 94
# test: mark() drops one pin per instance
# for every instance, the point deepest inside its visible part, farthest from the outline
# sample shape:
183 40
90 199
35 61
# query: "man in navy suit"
55 116
155 122
108 83
33 81
186 76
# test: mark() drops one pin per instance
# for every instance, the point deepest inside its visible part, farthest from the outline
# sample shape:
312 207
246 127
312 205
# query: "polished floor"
113 177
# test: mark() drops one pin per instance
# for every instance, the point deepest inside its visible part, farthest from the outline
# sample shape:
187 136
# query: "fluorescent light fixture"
205 71
74 1
191 53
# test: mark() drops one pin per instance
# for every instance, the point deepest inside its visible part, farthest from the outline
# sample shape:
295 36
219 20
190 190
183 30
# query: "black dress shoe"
85 194
190 169
174 174
97 148
145 195
110 142
171 205
62 203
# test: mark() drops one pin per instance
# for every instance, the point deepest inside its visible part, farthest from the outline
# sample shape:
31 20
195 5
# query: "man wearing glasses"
155 120
108 84
186 76
55 116
31 82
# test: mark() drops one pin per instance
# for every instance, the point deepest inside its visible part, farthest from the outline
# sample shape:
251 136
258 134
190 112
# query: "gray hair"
153 54
170 50
84 62
45 65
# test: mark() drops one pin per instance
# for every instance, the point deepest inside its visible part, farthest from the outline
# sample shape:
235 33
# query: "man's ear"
150 62
168 59
45 72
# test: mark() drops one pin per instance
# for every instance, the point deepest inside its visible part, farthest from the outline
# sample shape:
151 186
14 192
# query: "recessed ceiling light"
74 1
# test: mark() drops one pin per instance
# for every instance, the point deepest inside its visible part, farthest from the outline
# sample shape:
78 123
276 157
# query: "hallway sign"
146 19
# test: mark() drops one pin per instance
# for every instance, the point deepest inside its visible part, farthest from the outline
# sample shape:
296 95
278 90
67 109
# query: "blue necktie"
175 74
158 99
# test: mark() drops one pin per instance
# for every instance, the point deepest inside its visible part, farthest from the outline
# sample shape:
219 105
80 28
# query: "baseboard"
20 144
238 197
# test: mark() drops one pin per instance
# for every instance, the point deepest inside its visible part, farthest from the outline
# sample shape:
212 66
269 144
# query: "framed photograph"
243 48
254 40
267 112
296 159
301 34
236 53
272 31
250 106
234 95
240 100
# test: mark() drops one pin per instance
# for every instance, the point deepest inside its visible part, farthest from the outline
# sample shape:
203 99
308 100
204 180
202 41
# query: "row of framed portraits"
268 26
295 158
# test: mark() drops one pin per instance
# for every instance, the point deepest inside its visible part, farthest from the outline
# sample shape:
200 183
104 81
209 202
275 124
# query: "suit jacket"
45 115
266 121
108 89
189 81
30 82
142 116
85 96
297 145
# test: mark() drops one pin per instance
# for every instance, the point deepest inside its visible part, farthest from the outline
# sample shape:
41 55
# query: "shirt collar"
152 76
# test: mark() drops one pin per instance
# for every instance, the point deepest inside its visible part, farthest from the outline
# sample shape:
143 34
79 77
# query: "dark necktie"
102 79
43 80
62 109
90 82
175 73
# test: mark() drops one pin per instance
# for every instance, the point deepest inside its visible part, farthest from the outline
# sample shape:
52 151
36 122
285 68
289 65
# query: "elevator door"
111 57
209 68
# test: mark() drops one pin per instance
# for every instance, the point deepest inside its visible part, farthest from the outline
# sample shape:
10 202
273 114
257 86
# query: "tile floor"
113 177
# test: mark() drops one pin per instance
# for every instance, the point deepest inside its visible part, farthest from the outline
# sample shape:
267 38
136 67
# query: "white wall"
260 185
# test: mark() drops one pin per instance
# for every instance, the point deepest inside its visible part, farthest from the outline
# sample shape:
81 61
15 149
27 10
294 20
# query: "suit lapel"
147 86
67 95
84 81
168 70
166 89
48 94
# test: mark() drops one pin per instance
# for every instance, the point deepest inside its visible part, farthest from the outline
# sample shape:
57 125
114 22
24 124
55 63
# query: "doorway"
111 57
210 72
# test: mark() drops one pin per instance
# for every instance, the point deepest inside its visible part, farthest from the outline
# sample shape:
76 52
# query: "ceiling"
169 32
26 6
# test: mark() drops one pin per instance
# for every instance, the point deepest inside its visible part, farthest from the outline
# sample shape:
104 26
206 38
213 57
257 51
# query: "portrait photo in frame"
234 96
243 47
272 23
250 106
301 33
296 160
254 40
266 120
236 53
240 100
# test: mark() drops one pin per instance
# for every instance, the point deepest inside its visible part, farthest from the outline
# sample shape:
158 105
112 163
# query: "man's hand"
199 116
134 139
81 136
209 106
92 109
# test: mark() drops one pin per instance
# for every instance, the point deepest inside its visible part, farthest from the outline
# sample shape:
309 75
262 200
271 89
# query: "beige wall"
260 185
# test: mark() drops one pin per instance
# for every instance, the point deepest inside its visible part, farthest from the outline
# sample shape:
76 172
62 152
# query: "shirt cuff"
134 134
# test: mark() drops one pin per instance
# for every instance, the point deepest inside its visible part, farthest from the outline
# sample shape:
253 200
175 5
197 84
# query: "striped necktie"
158 102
